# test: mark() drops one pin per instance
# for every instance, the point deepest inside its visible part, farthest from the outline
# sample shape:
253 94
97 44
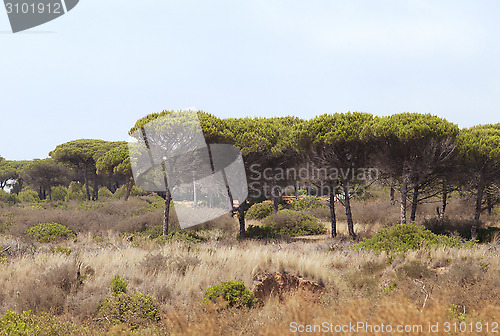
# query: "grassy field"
66 283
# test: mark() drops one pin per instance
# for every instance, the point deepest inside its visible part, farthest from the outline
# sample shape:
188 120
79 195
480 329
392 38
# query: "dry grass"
70 278
360 285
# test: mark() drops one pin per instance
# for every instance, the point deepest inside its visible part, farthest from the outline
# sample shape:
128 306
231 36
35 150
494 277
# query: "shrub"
260 210
261 232
47 232
294 223
230 294
76 191
186 236
28 196
403 237
307 203
26 323
120 192
104 193
119 285
61 250
133 309
59 193
12 199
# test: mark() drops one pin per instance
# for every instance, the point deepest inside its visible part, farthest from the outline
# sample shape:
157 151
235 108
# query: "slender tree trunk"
348 212
444 202
86 180
195 198
333 217
50 192
296 189
414 203
129 189
479 204
276 197
393 200
404 191
95 192
166 212
489 203
241 218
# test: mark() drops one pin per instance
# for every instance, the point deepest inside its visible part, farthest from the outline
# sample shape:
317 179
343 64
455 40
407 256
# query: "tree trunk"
333 217
414 203
166 212
489 203
129 189
95 192
195 196
296 189
241 218
404 191
393 200
479 204
86 180
444 202
276 198
348 212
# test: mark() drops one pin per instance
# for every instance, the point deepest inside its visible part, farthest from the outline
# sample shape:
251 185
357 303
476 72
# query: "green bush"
260 210
186 236
307 203
134 309
76 191
28 324
230 294
28 196
294 223
59 193
403 237
104 193
12 199
47 232
119 285
261 232
120 192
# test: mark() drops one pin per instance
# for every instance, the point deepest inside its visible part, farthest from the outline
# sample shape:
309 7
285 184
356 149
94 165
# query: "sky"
94 71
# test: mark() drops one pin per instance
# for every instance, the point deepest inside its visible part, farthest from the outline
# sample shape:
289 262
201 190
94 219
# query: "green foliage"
294 223
133 309
118 285
186 236
76 191
59 193
120 192
12 199
400 238
261 232
28 324
47 232
115 161
411 127
105 193
230 294
286 223
307 203
337 129
61 250
260 210
28 196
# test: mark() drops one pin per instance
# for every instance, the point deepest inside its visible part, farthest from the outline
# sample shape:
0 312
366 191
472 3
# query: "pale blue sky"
93 72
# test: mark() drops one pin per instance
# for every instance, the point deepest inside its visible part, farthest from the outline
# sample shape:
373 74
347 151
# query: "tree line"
421 156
